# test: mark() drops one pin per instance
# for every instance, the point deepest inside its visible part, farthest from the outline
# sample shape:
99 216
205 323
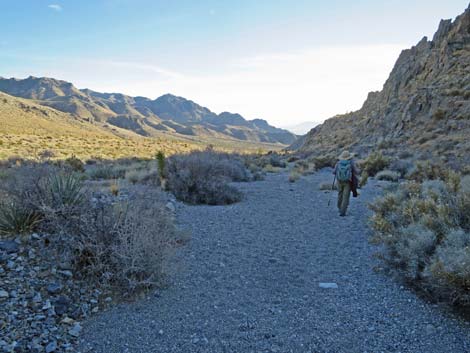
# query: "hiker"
346 174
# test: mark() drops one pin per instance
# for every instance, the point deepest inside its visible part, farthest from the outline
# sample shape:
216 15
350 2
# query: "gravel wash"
278 272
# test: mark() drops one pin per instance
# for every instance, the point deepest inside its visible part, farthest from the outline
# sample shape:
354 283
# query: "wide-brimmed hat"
345 156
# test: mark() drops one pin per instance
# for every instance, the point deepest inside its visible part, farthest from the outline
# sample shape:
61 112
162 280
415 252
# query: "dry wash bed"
250 283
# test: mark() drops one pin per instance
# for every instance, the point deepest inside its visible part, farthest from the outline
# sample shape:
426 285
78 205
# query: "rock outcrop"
424 105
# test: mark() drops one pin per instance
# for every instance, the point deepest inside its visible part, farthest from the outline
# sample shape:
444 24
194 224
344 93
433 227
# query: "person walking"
346 174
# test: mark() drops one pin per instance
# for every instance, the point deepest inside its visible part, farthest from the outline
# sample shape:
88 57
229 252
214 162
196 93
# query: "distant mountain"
424 106
146 117
301 128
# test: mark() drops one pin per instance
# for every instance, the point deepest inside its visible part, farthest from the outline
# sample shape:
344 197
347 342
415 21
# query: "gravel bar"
278 272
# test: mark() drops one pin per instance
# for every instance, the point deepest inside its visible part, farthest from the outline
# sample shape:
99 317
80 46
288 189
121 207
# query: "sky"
286 61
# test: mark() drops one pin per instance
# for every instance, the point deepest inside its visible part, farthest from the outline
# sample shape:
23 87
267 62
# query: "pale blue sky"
284 61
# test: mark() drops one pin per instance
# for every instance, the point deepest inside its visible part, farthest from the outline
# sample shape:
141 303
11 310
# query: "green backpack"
344 171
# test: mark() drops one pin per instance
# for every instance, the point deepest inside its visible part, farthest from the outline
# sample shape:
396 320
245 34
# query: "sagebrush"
424 231
203 177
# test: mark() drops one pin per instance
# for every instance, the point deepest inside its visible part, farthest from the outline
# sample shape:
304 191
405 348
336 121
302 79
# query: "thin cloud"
55 7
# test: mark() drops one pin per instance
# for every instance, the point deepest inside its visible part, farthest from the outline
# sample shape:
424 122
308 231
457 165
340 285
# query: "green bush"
375 163
428 170
424 233
76 164
324 161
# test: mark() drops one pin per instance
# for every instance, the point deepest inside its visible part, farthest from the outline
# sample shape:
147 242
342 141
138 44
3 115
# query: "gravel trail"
250 283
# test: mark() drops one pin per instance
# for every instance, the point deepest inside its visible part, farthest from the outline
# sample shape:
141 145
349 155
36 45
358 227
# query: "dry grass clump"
203 177
424 229
327 186
388 175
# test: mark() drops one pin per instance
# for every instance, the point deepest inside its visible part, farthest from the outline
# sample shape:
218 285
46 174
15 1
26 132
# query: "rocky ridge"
423 106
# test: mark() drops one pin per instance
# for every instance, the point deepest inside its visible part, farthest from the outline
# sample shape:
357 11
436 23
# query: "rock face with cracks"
424 105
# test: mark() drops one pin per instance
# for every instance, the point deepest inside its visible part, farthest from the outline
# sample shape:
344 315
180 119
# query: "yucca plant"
17 220
62 191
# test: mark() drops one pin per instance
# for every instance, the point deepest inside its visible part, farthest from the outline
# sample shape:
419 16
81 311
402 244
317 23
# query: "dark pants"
344 192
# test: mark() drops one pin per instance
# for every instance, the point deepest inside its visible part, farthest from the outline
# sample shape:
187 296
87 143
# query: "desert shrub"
375 163
387 175
363 179
304 167
106 172
293 176
75 164
119 245
275 160
428 170
402 167
439 114
147 175
405 154
257 176
122 246
203 177
269 168
324 161
385 144
424 233
465 170
292 159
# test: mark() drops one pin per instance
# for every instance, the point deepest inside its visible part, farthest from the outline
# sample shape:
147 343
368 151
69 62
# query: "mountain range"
301 128
167 114
424 106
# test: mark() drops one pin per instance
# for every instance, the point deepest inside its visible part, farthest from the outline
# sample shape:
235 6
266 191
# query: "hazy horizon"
282 62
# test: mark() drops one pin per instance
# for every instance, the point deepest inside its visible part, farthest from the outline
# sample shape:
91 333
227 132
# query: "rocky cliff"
424 105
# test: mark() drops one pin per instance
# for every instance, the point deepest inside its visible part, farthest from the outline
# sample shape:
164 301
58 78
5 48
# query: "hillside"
424 105
28 129
146 117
